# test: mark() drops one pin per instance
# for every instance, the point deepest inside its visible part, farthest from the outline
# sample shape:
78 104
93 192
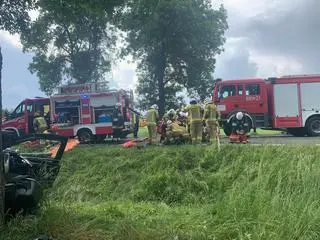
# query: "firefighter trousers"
212 130
196 131
152 130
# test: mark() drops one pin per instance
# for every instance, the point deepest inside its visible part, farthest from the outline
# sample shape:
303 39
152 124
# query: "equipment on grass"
239 137
139 143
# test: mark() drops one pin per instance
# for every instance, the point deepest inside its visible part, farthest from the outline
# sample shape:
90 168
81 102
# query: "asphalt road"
280 140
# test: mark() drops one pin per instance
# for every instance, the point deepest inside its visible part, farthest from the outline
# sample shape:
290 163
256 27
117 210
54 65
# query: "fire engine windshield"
227 91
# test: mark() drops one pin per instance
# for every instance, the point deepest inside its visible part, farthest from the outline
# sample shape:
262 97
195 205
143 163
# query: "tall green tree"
179 40
13 18
72 41
151 93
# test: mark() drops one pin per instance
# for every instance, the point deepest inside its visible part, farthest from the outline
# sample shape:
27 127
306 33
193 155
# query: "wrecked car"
27 175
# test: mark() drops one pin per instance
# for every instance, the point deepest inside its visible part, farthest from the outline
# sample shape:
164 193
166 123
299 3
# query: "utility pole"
2 177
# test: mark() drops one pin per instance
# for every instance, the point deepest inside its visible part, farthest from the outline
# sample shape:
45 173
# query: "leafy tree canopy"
72 41
14 15
179 40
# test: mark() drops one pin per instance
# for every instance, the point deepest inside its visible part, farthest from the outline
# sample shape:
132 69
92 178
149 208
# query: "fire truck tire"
313 126
13 134
85 135
227 128
297 132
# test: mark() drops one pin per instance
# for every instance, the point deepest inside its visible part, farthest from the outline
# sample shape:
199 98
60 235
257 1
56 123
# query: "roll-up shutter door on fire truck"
310 99
286 100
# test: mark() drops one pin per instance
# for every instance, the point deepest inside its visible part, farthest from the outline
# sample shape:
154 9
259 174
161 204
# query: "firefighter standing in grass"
211 116
195 121
152 119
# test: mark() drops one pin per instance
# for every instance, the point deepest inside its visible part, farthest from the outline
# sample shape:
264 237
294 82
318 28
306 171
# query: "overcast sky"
265 38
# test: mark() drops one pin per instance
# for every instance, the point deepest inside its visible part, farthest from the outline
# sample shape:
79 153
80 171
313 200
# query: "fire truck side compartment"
286 106
310 100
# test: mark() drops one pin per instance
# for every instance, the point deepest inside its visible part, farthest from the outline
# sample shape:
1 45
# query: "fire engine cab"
20 121
88 111
288 102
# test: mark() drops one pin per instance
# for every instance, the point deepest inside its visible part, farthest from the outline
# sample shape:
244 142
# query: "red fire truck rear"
288 102
89 111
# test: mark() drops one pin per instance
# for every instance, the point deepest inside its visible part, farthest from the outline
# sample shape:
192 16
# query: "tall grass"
188 192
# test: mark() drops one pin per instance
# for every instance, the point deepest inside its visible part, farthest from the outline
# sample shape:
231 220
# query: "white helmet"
239 115
208 100
169 122
172 111
154 106
118 104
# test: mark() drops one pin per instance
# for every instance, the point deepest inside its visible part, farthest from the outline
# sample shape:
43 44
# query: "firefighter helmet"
118 105
193 101
207 101
239 115
154 106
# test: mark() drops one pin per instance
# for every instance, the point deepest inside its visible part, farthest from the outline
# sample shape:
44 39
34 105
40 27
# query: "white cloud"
33 14
276 65
124 75
278 36
13 40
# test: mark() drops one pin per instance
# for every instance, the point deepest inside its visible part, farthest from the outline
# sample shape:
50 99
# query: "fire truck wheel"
85 136
227 128
13 134
313 126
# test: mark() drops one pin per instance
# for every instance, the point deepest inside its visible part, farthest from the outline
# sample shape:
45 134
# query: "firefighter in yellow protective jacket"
39 123
152 119
211 116
195 121
174 130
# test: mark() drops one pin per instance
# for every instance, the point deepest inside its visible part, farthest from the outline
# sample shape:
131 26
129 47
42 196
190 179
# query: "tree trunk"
2 178
161 67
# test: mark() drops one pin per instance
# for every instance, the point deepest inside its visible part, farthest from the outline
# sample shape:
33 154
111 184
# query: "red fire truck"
288 102
20 121
76 111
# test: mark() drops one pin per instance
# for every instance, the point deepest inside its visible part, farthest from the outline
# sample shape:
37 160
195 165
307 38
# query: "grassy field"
180 193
